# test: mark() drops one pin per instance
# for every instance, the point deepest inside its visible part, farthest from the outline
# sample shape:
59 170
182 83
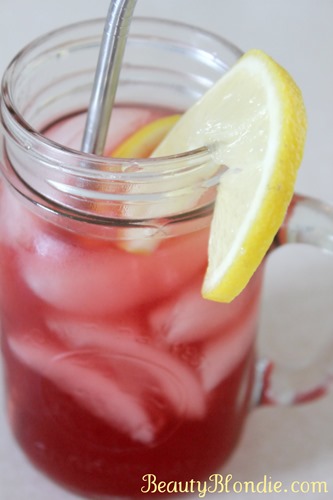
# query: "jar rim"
35 135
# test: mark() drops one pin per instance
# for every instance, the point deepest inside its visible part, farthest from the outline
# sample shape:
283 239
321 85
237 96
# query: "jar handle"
308 221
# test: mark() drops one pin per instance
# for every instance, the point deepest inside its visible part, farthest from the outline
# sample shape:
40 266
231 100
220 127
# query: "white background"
285 444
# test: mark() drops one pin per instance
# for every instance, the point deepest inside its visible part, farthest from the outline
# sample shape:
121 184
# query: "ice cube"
85 281
18 224
221 354
77 373
187 317
106 280
177 383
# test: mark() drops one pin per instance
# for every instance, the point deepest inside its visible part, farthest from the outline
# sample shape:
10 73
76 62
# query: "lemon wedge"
142 142
253 120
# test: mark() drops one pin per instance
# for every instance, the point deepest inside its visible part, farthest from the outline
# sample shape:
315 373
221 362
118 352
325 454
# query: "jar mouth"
24 53
46 170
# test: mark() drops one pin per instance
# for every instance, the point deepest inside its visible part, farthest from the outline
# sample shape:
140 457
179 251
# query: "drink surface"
116 366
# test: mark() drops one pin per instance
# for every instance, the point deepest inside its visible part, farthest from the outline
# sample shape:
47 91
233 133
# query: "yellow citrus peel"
142 142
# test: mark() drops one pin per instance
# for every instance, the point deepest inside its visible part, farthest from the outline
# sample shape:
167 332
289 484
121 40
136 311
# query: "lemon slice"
253 121
142 142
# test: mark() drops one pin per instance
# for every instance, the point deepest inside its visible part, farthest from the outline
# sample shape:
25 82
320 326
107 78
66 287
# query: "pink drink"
115 365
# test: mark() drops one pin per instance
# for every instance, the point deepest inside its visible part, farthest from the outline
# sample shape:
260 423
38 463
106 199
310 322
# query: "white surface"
284 444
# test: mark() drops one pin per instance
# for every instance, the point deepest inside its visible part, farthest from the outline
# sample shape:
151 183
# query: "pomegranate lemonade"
115 365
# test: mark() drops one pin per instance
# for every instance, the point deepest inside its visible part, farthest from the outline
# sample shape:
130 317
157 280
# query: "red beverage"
116 368
115 365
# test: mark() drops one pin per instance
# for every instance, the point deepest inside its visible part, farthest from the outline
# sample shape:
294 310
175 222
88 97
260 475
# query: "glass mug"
115 367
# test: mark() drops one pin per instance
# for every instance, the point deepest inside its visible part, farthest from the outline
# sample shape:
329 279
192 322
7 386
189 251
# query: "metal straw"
107 75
